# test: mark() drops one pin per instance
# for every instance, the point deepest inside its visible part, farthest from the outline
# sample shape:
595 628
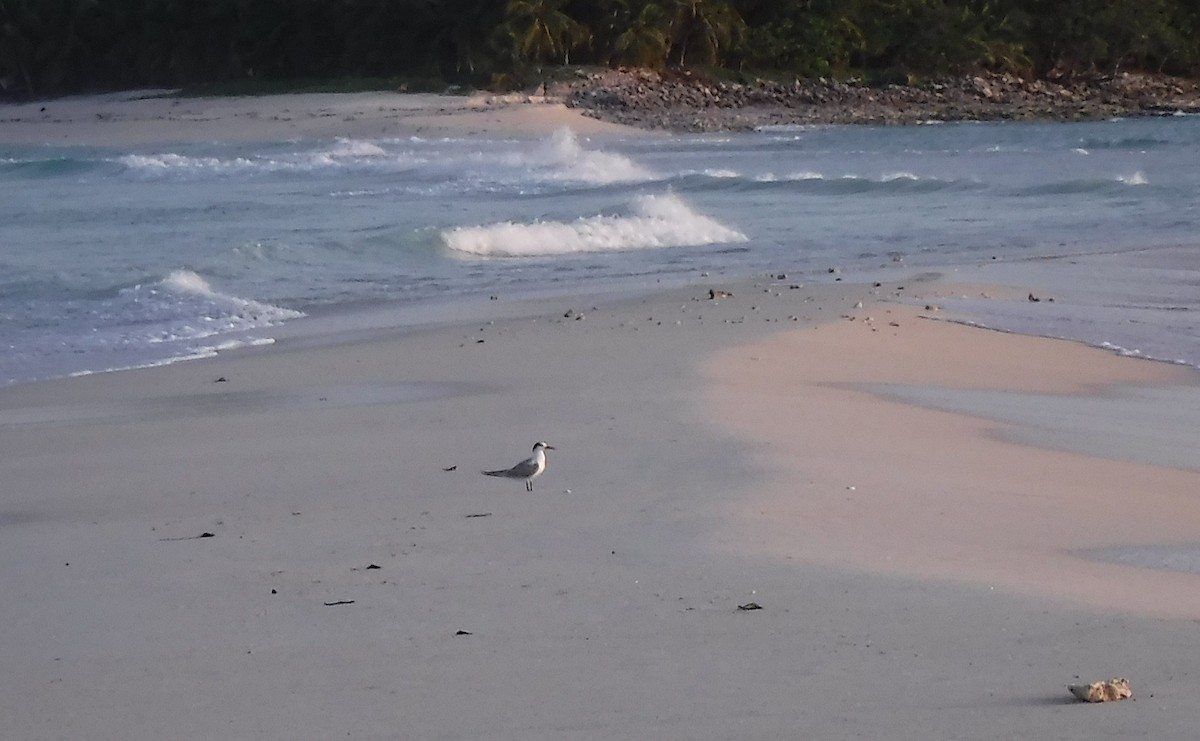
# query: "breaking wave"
234 312
181 307
656 221
561 157
342 154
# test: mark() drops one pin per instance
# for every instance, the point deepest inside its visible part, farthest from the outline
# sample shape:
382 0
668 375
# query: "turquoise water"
112 258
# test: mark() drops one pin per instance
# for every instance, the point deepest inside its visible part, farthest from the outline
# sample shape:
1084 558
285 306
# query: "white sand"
157 117
606 611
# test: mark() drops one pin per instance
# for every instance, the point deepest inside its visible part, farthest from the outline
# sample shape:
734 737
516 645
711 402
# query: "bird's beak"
551 447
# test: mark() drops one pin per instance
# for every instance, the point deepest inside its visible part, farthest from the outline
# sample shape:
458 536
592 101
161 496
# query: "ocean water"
116 258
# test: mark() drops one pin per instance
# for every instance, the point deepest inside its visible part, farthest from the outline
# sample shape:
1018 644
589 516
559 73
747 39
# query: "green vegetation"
50 47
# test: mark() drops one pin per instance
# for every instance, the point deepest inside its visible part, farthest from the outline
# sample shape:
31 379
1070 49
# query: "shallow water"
114 258
1142 425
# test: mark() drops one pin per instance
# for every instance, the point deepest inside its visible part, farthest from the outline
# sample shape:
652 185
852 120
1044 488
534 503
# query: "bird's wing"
524 469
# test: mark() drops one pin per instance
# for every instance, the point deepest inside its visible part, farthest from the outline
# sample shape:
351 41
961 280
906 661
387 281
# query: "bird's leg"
528 486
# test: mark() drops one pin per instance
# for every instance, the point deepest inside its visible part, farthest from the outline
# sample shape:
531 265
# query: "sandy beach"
793 512
157 116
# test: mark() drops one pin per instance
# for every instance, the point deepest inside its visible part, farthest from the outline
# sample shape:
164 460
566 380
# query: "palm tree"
541 31
703 28
646 41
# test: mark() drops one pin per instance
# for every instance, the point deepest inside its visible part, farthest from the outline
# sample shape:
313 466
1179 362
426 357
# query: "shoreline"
936 410
376 320
355 549
145 118
606 103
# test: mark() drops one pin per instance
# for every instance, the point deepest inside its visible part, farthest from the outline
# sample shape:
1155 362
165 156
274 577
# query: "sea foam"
183 307
357 148
242 313
343 154
180 163
562 157
656 221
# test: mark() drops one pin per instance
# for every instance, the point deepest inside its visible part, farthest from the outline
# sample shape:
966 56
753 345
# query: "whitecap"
184 307
357 148
656 221
561 157
172 162
343 154
247 311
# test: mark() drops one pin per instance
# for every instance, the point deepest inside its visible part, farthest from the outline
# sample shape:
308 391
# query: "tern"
528 469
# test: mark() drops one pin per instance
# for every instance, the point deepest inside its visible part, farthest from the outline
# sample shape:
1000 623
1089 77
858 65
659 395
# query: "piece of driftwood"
1111 690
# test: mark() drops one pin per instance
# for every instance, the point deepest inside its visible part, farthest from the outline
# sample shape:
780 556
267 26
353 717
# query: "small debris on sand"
1109 691
190 537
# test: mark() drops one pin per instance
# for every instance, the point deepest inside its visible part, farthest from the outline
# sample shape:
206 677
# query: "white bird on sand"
528 469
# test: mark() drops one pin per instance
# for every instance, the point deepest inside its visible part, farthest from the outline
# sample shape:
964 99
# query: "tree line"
50 47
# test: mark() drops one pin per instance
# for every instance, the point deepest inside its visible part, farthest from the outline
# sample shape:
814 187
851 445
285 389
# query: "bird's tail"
494 473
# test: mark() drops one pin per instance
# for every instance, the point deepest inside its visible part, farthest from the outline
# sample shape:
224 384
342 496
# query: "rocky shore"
687 102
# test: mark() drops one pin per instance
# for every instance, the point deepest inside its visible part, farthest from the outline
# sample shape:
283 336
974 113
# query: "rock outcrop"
687 102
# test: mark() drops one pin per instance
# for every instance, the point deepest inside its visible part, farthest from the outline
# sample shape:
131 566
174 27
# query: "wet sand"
909 446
